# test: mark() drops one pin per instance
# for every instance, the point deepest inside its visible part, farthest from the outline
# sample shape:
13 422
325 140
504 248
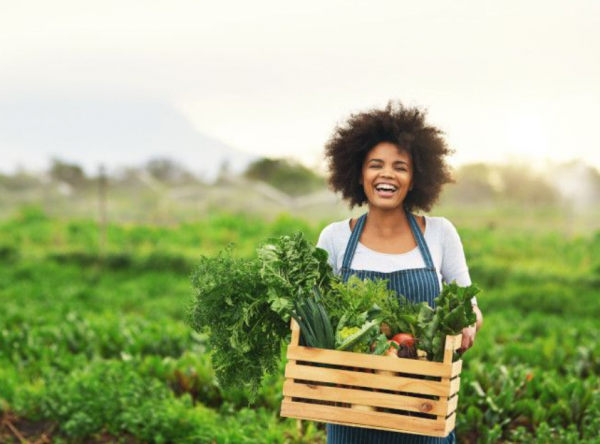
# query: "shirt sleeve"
326 242
454 263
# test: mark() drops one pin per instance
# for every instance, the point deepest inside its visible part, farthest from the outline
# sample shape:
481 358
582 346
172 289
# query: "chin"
386 206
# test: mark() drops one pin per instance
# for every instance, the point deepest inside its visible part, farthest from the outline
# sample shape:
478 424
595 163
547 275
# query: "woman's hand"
469 333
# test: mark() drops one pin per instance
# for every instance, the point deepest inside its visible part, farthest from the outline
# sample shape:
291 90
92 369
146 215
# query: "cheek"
407 177
365 176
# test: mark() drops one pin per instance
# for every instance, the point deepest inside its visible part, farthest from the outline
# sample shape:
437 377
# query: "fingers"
468 339
465 342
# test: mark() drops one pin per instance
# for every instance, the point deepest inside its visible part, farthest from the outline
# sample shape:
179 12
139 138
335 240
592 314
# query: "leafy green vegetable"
244 334
403 316
354 302
452 313
244 306
291 267
357 339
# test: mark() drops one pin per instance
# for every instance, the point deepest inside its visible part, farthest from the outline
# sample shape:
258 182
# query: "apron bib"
417 285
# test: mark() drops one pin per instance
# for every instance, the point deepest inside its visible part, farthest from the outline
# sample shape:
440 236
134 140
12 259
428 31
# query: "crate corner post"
295 342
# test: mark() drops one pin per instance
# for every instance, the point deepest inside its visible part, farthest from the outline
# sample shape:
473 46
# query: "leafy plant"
231 306
357 339
403 316
244 306
290 267
453 312
352 302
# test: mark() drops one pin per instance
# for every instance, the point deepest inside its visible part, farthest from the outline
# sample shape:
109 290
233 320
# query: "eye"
401 169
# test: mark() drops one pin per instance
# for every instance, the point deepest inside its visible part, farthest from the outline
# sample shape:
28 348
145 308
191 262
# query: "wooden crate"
377 392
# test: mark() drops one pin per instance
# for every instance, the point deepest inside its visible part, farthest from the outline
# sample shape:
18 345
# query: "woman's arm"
479 322
454 268
327 242
469 333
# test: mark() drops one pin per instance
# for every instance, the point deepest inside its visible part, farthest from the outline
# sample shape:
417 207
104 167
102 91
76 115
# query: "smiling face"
387 175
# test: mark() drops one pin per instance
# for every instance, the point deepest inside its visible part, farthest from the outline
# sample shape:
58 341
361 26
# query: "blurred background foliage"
290 177
167 192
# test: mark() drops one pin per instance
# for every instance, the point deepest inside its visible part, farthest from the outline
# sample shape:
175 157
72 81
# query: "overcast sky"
505 80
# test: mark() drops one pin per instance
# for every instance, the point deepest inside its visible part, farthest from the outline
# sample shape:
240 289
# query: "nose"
386 172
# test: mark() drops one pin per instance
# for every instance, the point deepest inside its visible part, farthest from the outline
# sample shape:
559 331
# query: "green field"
94 347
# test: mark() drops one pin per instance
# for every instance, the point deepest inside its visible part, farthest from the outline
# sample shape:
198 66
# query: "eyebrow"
381 160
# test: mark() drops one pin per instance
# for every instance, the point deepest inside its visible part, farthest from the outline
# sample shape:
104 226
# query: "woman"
394 162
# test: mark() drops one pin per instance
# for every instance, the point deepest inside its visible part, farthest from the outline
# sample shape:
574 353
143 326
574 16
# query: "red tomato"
404 339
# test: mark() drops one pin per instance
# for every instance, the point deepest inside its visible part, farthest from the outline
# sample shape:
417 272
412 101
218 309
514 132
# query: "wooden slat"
398 365
452 405
365 397
378 420
294 325
370 380
456 368
295 333
295 341
453 342
450 423
454 386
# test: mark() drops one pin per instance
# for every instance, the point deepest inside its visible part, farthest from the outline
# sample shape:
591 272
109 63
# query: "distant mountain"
115 133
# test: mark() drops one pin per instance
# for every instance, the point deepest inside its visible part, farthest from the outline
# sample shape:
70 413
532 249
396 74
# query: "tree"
68 173
169 172
288 176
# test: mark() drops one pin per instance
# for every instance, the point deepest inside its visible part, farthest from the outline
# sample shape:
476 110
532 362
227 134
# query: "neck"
387 221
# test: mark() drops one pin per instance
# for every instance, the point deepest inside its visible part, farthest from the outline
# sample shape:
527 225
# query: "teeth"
386 187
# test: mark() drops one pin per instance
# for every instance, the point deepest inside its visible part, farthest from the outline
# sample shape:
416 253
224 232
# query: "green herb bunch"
244 305
357 300
244 334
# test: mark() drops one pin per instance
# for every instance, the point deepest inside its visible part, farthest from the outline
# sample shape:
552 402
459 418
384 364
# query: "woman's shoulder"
440 229
333 238
438 223
336 230
444 233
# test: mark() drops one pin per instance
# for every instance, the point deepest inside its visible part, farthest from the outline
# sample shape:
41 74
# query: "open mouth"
385 189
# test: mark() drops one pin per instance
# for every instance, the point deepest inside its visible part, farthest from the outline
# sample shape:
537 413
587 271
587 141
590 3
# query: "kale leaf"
290 268
453 311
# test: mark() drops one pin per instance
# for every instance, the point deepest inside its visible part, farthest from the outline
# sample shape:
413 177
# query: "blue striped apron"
417 284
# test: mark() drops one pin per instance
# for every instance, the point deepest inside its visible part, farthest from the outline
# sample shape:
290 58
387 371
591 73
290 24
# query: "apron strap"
351 247
420 240
355 237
